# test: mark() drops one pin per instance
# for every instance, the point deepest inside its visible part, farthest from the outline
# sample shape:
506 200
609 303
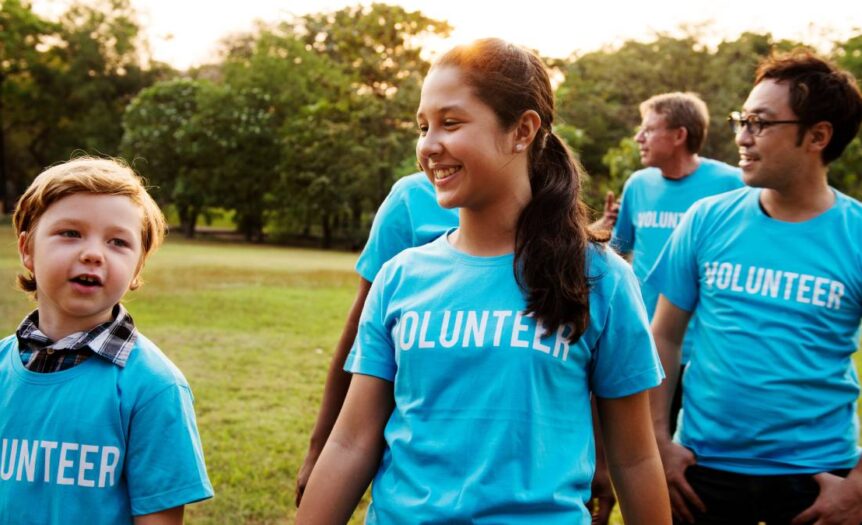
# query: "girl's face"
471 160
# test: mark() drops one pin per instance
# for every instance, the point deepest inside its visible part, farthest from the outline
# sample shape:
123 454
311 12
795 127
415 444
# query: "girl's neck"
489 231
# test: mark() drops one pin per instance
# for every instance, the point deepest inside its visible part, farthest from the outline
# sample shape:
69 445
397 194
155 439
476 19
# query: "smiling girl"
477 353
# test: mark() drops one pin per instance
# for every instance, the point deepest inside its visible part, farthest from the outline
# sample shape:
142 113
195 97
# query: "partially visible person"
97 424
673 131
769 430
476 353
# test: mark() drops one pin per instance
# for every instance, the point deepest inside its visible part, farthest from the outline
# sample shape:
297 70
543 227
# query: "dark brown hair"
552 236
819 92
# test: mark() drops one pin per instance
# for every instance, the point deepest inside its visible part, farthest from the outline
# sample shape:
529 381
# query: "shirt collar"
112 340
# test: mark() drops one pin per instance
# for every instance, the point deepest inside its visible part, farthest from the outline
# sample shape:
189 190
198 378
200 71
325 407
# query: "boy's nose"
91 255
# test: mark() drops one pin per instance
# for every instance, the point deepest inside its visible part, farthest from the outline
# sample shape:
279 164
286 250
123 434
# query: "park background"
270 158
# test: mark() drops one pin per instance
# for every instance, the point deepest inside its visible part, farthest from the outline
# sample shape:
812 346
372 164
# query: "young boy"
97 425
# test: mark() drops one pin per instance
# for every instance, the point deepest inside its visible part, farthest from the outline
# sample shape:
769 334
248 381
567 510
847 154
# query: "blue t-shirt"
492 420
651 208
772 387
97 443
409 216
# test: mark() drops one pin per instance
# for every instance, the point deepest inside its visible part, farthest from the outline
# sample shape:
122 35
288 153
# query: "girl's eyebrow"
444 109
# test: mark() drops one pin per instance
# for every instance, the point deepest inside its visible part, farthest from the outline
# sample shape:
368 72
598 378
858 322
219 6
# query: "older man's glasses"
752 123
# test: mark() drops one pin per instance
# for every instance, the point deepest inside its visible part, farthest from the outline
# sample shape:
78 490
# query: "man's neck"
800 200
680 166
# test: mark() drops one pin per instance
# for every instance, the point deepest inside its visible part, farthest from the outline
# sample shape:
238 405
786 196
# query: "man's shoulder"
723 204
717 168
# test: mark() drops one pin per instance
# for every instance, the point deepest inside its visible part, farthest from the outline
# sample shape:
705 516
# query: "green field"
253 329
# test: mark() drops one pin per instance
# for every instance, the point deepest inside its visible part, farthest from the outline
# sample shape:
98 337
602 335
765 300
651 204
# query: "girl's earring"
519 147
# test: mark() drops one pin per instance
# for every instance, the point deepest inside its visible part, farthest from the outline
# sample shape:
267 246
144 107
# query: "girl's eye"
69 233
423 130
119 243
450 123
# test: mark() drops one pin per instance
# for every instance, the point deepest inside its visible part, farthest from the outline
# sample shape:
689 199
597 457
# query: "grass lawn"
253 329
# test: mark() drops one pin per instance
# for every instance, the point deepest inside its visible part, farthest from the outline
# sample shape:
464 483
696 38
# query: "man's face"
655 139
772 158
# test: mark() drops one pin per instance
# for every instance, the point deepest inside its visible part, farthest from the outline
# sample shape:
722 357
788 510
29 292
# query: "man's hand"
609 215
603 499
676 459
839 502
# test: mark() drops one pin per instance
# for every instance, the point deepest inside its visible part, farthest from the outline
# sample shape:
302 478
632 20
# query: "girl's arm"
351 456
334 392
633 459
172 516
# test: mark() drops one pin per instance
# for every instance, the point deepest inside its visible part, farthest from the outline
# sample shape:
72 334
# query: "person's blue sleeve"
391 233
625 360
675 272
623 236
373 351
164 460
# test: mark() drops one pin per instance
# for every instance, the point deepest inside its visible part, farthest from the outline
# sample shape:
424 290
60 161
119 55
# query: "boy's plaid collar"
112 340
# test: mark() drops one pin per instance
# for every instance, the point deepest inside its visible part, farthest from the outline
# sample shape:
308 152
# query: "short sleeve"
625 360
391 233
373 351
164 460
623 236
675 273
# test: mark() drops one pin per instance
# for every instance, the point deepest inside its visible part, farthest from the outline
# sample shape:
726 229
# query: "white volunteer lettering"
75 462
659 219
516 332
537 339
476 328
48 447
501 316
84 466
767 282
27 460
423 332
108 465
7 463
413 317
456 330
65 463
444 329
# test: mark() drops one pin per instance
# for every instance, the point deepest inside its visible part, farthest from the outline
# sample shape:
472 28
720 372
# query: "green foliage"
621 160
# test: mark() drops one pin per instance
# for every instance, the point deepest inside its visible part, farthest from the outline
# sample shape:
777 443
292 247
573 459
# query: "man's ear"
25 251
819 135
680 136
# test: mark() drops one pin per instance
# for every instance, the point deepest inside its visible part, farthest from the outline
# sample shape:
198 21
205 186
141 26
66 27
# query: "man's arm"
351 455
335 390
633 459
172 516
668 329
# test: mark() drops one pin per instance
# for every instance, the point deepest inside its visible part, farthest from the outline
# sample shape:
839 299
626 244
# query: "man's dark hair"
819 92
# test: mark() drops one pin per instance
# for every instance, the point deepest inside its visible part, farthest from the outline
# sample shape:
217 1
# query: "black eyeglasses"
752 123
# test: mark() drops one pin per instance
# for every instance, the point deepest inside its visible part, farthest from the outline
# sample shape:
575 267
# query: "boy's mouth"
87 280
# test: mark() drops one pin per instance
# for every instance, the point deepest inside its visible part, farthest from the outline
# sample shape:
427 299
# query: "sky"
185 33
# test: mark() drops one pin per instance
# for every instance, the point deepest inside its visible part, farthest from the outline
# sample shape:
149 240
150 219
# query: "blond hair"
681 110
99 176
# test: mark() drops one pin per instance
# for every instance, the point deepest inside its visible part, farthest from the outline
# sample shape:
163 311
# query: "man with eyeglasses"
672 132
774 273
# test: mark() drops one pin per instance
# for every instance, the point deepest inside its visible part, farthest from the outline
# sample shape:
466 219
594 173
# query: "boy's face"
85 252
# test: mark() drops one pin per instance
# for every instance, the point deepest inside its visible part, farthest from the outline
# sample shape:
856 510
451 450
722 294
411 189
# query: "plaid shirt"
112 340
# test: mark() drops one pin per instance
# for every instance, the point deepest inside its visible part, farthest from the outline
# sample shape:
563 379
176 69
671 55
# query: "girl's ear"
25 252
525 130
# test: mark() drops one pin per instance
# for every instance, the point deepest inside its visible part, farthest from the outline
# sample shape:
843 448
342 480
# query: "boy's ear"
25 252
